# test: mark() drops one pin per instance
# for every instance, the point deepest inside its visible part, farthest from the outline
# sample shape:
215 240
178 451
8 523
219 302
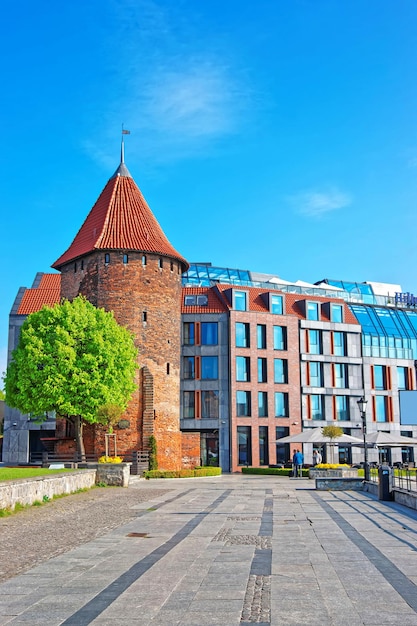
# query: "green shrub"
275 471
153 453
183 473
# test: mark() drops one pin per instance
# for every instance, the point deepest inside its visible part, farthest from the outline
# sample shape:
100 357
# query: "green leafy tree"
2 395
73 359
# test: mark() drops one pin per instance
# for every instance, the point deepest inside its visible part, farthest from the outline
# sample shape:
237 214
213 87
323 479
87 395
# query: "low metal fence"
139 460
404 479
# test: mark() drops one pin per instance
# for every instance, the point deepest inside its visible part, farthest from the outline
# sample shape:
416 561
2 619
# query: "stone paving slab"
232 551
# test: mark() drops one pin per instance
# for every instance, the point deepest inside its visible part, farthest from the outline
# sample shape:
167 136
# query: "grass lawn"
12 473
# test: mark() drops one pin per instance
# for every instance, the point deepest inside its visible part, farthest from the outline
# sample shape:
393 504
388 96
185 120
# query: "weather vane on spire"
124 132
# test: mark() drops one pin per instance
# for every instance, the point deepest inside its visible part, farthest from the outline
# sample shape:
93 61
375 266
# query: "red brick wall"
190 449
131 290
292 387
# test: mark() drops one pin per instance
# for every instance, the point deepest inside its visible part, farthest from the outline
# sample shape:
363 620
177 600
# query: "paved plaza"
232 550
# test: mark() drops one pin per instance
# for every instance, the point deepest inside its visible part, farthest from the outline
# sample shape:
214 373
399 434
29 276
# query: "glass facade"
281 404
261 336
244 441
242 330
243 403
262 404
280 371
210 404
209 367
314 342
342 408
243 368
262 370
280 338
204 275
188 333
209 333
276 304
315 374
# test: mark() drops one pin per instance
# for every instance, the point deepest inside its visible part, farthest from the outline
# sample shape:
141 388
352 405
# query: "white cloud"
316 203
171 86
197 100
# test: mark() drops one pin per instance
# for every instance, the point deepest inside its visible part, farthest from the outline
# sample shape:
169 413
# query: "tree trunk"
78 423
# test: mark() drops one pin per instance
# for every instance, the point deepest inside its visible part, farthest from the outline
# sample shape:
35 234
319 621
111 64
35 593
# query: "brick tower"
122 261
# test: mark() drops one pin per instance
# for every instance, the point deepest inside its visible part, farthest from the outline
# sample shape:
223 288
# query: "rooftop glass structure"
204 275
387 332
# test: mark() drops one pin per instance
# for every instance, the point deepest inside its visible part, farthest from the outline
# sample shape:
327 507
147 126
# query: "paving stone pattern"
227 551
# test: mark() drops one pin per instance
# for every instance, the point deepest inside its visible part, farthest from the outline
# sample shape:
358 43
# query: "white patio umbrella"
315 435
388 440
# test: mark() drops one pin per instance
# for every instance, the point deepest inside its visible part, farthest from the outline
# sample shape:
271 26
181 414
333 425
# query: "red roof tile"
48 293
120 220
214 303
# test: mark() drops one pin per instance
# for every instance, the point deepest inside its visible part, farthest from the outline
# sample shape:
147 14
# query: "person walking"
297 462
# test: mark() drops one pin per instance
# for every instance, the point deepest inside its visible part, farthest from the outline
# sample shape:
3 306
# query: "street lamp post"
362 410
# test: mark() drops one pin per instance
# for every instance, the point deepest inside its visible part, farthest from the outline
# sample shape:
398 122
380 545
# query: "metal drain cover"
137 535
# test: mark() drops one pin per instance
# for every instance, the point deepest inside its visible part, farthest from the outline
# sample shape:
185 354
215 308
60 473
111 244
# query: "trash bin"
384 483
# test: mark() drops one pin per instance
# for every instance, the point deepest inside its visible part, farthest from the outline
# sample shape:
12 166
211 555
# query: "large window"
314 342
243 403
276 304
380 377
240 300
342 408
210 404
340 375
188 333
280 338
313 311
262 404
336 313
261 336
283 450
209 367
280 371
316 408
244 452
402 378
381 408
315 374
188 367
209 333
281 404
263 445
189 404
243 368
242 335
339 344
262 370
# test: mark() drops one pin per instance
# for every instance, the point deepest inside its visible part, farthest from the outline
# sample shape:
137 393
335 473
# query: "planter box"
114 474
342 472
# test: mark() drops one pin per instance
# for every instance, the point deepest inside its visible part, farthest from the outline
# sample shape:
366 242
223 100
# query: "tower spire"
122 152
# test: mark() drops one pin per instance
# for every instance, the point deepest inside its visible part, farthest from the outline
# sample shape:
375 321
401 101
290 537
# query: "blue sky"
278 135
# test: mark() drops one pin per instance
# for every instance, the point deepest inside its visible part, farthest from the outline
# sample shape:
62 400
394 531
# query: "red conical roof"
120 220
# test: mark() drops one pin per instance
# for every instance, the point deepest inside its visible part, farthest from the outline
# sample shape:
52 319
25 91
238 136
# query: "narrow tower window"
168 368
107 258
161 263
75 266
125 258
172 266
82 264
144 260
144 316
